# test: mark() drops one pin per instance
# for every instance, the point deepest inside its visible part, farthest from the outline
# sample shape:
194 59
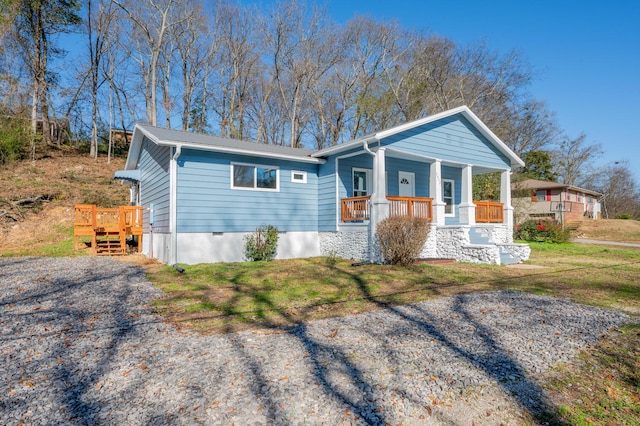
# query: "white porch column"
379 202
505 199
466 208
435 192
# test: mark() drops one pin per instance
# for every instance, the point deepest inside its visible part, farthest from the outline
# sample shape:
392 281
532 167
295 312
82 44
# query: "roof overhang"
128 175
141 132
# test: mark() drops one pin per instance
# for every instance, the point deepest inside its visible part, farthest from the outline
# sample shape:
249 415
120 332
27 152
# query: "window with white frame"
361 182
448 196
298 176
253 176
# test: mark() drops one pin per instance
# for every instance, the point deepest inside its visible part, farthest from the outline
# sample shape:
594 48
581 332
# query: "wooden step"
109 246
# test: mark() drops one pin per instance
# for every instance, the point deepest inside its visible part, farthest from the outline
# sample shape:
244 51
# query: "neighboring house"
534 199
203 194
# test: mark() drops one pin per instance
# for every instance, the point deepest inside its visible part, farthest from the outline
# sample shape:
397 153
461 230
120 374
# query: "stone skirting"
446 242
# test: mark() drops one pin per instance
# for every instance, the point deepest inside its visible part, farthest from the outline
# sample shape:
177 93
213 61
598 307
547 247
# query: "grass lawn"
603 388
227 297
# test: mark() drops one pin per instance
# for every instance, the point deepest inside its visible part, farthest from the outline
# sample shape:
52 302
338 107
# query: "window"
448 196
249 176
361 182
298 177
541 195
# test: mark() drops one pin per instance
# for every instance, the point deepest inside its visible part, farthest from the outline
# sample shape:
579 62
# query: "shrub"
13 140
541 230
625 216
262 244
401 239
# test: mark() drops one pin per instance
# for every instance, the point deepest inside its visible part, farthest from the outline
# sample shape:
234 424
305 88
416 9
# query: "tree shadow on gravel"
363 405
84 330
496 361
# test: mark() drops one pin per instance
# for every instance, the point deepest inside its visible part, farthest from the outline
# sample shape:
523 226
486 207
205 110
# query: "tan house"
538 199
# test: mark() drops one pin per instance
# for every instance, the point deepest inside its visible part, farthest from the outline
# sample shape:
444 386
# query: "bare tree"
531 128
35 25
189 36
236 60
151 22
573 158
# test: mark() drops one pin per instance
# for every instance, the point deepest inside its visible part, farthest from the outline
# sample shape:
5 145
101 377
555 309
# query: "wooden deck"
108 228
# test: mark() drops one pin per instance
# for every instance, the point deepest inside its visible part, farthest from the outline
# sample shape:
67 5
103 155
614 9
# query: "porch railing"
419 207
489 212
357 208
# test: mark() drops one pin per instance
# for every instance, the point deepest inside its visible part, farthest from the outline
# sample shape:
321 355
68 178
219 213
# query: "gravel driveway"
80 345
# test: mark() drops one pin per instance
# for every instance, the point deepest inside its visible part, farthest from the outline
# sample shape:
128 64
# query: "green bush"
625 216
13 140
262 244
544 230
402 239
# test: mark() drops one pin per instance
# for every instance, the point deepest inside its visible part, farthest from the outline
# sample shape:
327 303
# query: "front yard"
603 387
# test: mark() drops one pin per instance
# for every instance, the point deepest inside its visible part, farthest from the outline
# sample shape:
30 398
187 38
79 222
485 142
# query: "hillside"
37 198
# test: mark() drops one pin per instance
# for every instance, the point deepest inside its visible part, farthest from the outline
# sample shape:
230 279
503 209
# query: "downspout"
174 209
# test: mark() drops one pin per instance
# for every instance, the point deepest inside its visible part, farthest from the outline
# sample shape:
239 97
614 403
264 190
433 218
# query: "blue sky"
586 55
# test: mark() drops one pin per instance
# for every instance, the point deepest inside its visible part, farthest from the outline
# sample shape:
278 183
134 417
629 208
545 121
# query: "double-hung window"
361 182
252 176
448 196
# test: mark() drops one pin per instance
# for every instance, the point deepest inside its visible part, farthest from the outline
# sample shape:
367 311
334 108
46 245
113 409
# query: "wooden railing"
357 208
118 222
419 207
489 212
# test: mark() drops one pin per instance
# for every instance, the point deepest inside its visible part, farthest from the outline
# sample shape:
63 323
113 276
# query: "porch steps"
476 236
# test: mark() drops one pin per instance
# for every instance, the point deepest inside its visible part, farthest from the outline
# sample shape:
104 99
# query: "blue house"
202 194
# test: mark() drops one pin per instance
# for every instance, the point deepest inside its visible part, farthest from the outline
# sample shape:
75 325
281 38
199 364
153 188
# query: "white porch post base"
467 214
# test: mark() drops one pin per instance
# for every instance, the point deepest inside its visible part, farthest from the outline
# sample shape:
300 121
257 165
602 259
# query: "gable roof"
169 137
462 110
535 184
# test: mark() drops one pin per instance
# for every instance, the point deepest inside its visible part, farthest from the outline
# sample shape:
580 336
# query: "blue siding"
206 202
421 171
345 172
452 138
154 184
327 196
454 174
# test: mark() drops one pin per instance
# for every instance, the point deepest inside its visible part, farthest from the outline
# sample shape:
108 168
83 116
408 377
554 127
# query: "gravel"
80 345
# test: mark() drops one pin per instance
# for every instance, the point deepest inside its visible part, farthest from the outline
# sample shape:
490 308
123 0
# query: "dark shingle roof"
172 137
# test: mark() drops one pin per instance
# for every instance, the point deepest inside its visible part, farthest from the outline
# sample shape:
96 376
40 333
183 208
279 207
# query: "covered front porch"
385 182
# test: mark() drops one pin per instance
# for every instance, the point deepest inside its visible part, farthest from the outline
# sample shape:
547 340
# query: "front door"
406 184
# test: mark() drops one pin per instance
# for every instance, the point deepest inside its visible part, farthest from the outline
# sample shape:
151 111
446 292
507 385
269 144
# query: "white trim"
453 198
255 178
303 176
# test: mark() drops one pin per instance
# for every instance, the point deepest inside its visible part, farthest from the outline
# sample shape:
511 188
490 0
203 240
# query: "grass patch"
233 296
604 386
58 243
